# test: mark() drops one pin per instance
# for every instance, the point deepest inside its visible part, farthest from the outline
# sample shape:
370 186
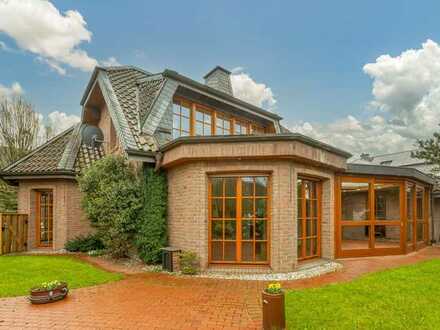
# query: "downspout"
158 164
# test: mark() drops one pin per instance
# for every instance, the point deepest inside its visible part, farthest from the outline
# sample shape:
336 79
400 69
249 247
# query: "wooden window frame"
239 198
187 105
233 120
38 194
303 218
205 112
372 221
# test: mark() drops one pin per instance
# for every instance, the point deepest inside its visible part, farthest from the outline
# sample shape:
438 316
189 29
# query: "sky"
363 76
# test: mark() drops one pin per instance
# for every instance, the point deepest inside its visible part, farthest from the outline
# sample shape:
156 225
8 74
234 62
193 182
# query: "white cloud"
61 121
245 88
111 61
38 26
14 90
405 105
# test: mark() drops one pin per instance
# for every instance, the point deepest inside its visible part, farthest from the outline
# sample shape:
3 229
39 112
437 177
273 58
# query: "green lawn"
19 273
403 298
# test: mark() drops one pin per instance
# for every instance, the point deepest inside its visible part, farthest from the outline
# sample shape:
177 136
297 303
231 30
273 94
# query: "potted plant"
273 307
48 292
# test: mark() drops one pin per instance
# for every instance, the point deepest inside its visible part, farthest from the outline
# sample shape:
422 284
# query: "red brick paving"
160 301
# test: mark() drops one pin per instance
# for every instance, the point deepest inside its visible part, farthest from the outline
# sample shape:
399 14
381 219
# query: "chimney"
220 79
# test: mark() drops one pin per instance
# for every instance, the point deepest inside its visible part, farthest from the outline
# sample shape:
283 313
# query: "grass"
402 298
19 273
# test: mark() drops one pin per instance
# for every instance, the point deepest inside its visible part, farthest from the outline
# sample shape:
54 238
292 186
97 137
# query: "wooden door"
44 218
308 219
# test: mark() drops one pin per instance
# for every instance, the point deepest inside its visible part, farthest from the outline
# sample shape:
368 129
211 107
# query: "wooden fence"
14 230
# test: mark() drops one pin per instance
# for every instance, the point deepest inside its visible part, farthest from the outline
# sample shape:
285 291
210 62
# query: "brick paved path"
160 301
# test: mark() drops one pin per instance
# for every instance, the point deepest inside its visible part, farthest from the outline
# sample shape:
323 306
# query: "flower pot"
274 316
40 296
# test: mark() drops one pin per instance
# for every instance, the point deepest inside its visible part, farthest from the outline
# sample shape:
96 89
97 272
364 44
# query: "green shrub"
151 233
84 244
112 199
189 263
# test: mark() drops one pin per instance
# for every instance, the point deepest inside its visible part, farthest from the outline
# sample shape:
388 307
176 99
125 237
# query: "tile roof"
135 100
402 158
48 158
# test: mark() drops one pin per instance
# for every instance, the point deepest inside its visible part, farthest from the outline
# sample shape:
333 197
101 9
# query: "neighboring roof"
402 158
256 138
389 171
62 155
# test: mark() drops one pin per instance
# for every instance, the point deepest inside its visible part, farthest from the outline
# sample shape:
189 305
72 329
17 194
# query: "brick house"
243 190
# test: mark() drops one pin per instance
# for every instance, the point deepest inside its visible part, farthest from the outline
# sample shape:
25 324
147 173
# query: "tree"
19 127
112 201
429 150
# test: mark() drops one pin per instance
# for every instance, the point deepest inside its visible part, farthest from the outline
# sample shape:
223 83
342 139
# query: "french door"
308 219
44 218
239 219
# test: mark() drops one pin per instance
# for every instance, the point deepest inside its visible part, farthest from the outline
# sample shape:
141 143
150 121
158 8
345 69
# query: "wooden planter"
274 316
38 296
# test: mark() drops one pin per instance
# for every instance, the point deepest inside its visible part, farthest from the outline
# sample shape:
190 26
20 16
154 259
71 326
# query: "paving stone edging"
313 271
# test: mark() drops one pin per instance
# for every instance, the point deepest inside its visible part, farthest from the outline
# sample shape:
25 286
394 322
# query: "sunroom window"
181 119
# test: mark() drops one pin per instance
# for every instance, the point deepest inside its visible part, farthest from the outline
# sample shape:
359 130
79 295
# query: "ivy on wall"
151 233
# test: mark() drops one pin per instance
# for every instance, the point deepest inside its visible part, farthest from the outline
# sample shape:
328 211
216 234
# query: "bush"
112 199
84 244
151 233
189 263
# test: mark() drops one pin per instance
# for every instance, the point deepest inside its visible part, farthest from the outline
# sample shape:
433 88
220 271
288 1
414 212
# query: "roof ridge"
124 67
41 147
393 153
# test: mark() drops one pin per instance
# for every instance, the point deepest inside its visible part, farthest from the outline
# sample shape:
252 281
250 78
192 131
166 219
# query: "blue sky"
310 53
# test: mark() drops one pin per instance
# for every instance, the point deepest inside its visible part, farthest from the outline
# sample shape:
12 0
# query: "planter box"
273 311
38 296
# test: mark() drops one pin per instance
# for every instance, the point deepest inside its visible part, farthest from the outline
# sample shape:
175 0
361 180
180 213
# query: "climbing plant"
151 233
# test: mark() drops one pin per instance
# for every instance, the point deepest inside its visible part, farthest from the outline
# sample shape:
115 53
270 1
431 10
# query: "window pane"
260 208
300 203
261 251
261 186
387 201
260 230
217 229
355 201
309 247
247 208
247 229
230 187
355 237
299 250
247 251
409 202
419 198
247 186
387 236
314 227
217 208
198 129
217 251
420 236
199 115
308 227
207 119
230 251
185 111
217 187
409 232
230 208
230 230
185 124
300 227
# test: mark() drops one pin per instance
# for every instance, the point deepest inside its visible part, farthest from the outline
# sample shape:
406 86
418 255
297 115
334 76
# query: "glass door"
44 217
308 219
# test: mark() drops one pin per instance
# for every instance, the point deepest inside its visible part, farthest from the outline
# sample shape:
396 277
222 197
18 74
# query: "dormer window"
192 119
